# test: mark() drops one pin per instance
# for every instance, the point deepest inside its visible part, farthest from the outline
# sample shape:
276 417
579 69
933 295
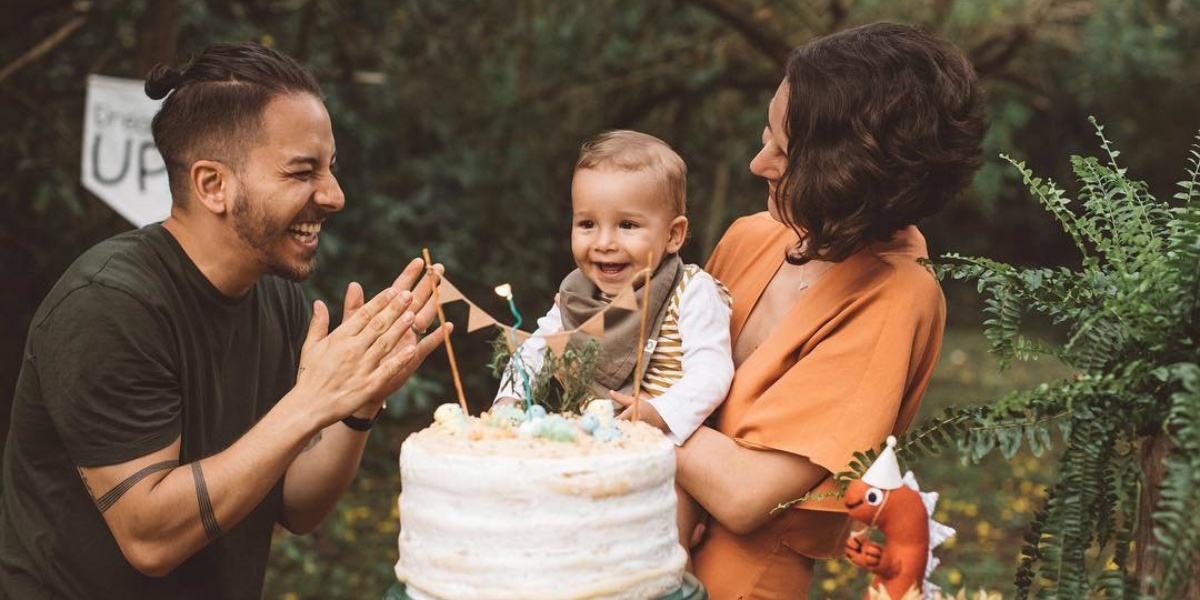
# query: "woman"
836 324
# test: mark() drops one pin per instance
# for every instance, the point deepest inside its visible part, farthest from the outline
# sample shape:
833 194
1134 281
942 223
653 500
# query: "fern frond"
1175 517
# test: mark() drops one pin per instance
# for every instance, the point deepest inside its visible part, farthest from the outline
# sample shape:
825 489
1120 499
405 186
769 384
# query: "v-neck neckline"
777 248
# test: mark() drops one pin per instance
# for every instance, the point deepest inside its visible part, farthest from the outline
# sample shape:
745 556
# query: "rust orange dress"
843 369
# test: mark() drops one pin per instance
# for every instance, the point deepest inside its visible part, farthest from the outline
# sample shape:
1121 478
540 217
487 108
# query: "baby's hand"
646 411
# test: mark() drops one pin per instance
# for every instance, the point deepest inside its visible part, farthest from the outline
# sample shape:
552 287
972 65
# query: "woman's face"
772 160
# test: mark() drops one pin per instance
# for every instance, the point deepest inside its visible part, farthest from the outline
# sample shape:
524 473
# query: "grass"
352 555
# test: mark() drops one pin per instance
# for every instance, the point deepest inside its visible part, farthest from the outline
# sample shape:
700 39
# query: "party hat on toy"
885 471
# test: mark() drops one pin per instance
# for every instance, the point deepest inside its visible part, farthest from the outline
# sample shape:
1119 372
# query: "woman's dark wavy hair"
215 104
884 126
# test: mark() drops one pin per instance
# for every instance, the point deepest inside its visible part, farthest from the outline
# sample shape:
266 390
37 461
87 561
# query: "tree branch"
43 47
774 46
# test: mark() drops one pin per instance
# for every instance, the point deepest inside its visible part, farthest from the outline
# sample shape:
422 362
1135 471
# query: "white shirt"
707 361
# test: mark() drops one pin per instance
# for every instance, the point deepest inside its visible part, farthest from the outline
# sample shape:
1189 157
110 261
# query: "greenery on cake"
1121 519
562 385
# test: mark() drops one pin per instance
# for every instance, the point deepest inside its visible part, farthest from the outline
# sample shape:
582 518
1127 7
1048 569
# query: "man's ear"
213 185
678 234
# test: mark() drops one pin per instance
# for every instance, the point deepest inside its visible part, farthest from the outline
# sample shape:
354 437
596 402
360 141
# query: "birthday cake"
514 505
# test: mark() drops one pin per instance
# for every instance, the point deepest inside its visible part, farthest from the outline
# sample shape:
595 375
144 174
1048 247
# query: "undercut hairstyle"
214 104
631 151
885 124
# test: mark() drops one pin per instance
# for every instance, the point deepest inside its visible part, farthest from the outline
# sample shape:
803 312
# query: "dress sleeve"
107 368
858 384
530 355
707 359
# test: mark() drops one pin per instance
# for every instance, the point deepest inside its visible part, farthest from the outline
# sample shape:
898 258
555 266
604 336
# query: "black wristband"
358 424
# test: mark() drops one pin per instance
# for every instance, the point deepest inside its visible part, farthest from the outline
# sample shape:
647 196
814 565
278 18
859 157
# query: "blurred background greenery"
458 122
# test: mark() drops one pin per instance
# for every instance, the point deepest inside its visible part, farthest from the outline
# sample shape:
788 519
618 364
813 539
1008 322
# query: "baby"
628 201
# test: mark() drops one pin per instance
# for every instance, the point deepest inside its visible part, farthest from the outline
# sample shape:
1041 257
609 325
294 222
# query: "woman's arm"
740 486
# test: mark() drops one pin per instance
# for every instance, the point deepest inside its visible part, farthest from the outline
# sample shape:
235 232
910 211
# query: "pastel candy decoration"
530 428
556 428
536 412
506 415
447 412
589 423
450 416
601 407
607 434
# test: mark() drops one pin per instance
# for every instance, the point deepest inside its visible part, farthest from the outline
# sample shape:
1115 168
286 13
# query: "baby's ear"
678 234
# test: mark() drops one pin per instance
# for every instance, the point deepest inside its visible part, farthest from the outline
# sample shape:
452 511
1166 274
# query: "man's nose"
329 195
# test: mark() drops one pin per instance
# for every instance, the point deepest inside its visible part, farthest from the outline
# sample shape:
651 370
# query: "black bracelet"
358 424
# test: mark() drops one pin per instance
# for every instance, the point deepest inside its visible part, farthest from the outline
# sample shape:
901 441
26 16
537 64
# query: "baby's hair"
625 150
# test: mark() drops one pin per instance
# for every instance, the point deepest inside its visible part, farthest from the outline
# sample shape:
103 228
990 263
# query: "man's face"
286 186
622 224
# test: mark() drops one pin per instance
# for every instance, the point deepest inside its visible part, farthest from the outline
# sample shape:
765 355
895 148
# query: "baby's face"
622 224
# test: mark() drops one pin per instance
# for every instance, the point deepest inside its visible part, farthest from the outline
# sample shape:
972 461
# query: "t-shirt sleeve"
106 365
847 392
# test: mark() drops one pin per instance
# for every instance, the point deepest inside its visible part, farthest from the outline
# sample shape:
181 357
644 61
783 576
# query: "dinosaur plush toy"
894 505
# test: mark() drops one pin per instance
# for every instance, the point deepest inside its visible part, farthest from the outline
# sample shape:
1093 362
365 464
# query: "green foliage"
563 384
1128 316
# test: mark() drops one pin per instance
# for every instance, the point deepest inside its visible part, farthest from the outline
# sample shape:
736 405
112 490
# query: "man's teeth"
305 232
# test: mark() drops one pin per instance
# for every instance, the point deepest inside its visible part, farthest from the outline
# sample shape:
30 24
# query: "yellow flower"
970 509
828 585
983 530
291 596
954 577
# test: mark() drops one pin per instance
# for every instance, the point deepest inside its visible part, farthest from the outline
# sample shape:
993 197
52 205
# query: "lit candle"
504 290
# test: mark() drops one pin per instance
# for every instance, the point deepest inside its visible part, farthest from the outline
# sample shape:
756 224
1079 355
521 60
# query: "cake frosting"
513 507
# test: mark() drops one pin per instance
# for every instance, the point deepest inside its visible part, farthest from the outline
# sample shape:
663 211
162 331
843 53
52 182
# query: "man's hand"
417 342
646 411
353 369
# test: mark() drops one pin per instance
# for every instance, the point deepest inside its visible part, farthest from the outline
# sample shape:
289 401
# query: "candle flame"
504 290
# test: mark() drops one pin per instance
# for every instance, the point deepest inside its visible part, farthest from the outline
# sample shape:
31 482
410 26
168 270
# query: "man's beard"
253 226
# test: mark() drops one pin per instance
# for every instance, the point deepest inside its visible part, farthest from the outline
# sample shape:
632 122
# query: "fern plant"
1123 518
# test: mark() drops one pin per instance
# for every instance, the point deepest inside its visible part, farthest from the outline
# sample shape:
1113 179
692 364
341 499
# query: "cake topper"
895 505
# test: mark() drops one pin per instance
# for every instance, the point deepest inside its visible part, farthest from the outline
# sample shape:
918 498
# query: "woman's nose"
765 165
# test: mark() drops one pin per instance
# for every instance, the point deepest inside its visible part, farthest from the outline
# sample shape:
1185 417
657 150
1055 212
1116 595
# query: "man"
175 401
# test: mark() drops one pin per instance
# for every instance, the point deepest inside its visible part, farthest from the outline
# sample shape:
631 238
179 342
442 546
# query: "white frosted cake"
509 507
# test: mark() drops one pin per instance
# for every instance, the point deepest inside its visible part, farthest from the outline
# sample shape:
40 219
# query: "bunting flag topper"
477 318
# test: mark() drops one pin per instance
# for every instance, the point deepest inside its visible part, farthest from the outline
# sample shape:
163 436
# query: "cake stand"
691 589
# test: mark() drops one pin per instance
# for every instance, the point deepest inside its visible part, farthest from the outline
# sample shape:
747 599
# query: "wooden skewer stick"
437 300
637 371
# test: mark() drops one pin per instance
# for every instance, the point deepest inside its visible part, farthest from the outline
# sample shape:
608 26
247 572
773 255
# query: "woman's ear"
677 234
213 185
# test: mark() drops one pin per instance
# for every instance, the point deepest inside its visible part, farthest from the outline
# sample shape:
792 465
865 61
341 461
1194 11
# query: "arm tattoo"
111 496
207 518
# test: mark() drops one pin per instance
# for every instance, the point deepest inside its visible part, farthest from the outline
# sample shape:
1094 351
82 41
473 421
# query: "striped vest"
666 362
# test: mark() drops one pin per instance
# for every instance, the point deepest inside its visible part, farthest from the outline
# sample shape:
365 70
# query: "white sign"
121 165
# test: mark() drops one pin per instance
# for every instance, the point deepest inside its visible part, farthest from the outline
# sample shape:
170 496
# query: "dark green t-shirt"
132 348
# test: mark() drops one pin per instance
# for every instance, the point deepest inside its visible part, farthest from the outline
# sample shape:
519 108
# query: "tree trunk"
159 35
1154 449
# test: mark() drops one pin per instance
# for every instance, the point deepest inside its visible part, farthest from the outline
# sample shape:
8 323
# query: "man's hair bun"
161 80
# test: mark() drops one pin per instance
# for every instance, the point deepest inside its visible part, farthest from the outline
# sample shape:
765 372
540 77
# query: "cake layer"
518 517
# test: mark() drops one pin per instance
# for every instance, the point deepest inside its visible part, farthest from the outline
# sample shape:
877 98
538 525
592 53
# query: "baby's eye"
585 224
627 225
